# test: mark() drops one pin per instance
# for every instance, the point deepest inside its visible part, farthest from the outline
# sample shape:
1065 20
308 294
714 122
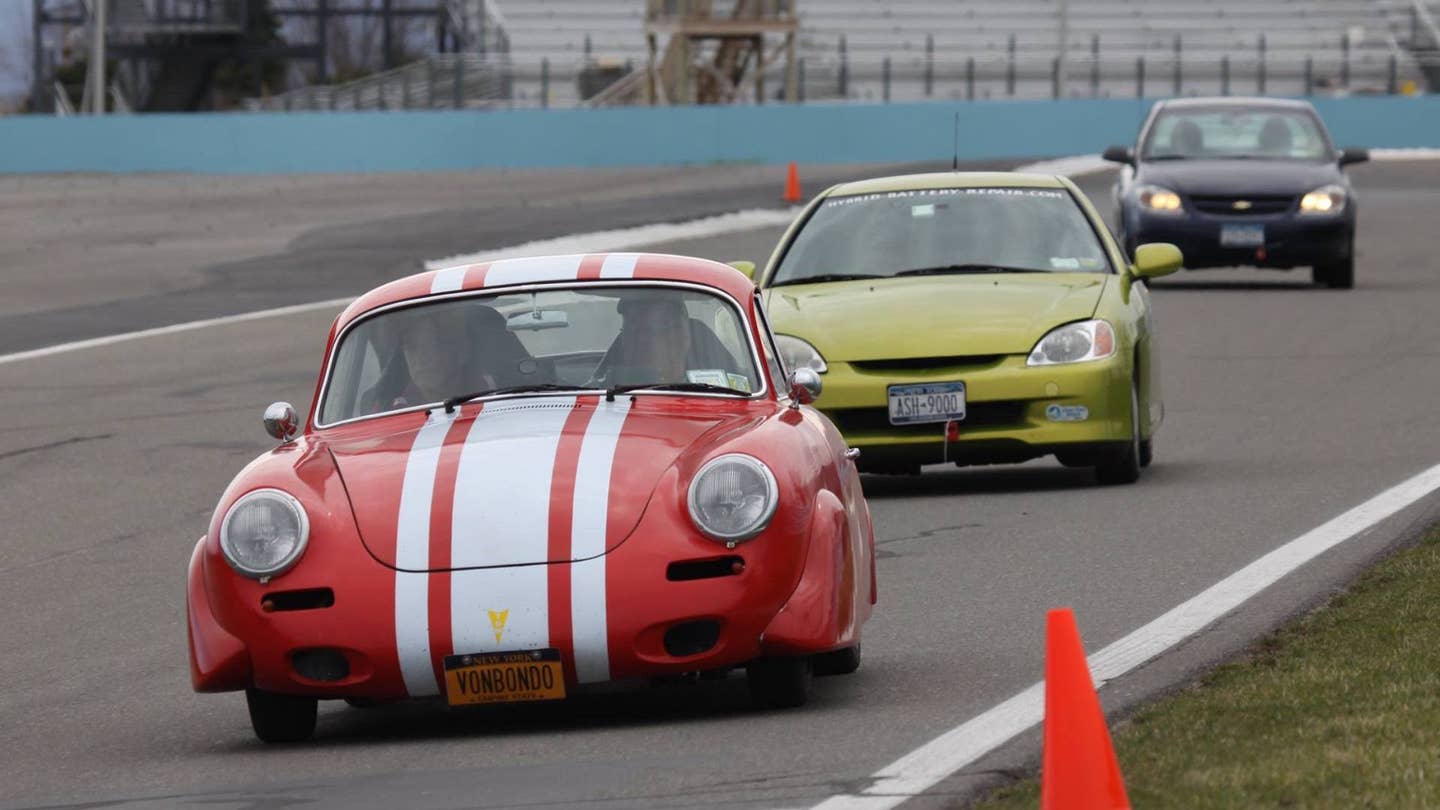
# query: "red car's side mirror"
804 385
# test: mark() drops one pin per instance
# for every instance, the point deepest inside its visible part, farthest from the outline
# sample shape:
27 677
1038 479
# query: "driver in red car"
660 343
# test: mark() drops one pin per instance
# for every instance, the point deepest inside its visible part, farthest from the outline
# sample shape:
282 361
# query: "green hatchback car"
972 318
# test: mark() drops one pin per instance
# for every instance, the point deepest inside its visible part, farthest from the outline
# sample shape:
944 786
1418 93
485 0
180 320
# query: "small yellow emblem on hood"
497 622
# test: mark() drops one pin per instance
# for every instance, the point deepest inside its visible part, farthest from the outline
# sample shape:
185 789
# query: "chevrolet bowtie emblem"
1242 205
497 622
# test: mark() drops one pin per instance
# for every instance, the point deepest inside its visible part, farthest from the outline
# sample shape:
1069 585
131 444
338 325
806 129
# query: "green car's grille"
909 364
1003 413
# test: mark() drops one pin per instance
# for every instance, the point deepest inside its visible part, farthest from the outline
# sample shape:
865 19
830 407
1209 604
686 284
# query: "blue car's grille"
1239 206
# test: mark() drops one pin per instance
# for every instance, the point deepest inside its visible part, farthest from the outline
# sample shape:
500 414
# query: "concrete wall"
441 140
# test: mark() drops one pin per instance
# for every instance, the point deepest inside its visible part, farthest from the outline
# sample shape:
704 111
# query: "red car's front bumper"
675 604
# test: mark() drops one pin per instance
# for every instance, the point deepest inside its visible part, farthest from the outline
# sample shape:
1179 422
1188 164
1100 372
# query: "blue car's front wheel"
1337 275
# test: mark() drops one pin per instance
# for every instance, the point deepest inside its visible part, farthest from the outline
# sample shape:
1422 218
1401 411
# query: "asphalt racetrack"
1286 406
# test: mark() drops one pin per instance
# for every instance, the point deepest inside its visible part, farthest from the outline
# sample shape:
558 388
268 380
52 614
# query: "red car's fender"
218 661
833 597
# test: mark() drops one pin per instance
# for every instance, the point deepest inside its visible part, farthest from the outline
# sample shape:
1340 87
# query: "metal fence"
447 81
456 81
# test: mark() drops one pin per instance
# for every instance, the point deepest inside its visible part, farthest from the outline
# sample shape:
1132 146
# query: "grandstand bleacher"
909 50
949 33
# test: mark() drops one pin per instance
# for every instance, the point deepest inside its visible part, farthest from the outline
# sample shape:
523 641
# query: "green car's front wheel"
1123 466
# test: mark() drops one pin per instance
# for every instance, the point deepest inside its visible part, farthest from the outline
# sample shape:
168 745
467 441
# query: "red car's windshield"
592 337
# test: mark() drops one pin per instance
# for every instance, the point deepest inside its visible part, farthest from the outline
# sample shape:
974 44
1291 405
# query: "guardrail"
279 143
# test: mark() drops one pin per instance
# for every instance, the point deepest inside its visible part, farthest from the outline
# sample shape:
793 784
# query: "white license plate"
1242 235
926 402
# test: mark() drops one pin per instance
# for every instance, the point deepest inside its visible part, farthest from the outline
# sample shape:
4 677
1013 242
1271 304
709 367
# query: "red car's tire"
840 662
281 718
779 683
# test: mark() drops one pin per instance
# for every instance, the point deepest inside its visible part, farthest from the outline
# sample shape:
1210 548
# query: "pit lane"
1286 405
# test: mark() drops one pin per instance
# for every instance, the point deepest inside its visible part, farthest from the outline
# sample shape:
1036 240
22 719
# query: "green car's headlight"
264 533
796 353
1074 343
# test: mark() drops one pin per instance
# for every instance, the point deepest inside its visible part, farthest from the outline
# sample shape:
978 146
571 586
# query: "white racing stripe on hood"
501 516
540 268
589 516
412 552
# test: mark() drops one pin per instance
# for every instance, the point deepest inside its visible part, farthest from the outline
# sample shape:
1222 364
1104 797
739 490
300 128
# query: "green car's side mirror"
1157 259
748 268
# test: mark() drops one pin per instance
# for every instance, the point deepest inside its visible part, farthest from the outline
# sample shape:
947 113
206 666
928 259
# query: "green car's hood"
932 316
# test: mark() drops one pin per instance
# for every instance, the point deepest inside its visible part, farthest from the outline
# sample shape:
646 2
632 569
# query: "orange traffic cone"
792 184
1079 770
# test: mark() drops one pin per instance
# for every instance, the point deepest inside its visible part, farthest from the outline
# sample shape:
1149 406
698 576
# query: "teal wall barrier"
265 143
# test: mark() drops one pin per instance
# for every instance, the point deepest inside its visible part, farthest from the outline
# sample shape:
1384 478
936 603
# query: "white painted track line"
605 241
110 340
626 238
595 242
1080 165
943 756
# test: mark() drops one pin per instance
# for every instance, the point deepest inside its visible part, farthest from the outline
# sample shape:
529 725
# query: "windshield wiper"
962 269
512 389
1166 157
824 277
703 388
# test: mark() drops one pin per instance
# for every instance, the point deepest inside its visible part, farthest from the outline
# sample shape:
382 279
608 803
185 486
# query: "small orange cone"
1079 770
792 184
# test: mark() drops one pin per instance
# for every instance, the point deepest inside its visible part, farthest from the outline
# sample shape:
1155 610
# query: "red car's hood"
516 482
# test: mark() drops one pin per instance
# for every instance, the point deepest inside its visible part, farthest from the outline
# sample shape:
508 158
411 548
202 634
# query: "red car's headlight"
264 533
732 498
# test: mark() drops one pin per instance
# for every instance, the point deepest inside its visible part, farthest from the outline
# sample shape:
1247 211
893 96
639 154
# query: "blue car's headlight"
1324 200
1159 200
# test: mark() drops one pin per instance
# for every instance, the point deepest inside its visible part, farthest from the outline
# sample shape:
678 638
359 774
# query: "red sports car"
524 476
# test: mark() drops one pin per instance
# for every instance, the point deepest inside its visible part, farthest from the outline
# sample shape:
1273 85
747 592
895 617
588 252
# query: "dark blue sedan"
1240 182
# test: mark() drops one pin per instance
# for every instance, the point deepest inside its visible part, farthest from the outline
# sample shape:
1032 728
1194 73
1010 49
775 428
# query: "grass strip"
1339 709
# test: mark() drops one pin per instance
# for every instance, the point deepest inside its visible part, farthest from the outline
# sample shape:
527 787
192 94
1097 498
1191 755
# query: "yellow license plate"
504 677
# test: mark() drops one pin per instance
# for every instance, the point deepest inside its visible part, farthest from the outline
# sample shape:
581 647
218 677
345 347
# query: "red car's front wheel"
281 718
780 683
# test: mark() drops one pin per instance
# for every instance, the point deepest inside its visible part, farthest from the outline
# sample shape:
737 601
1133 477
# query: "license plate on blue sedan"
1246 235
927 402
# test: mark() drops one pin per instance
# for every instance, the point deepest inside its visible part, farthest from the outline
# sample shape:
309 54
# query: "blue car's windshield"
1235 134
943 231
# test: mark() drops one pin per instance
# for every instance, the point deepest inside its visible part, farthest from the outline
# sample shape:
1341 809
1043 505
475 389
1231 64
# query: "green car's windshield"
945 231
1231 133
